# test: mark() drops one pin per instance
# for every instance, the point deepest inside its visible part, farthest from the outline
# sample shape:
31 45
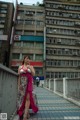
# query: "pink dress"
26 87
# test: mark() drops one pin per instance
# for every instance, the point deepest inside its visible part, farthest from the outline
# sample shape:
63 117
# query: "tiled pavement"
54 107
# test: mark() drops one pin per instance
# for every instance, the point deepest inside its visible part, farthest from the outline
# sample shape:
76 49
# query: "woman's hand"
32 69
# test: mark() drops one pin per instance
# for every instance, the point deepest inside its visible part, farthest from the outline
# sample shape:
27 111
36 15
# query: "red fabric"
29 89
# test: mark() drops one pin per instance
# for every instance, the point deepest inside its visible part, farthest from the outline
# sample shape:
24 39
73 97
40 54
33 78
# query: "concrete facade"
62 38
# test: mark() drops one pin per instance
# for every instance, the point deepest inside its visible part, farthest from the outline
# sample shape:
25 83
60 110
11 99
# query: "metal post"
54 85
64 87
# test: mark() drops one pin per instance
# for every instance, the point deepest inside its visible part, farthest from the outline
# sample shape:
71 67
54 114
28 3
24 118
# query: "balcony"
77 42
61 8
77 24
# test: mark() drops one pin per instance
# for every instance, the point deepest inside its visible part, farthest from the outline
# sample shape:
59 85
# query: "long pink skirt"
33 105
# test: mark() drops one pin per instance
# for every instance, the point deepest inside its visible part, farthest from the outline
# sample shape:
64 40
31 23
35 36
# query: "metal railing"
65 87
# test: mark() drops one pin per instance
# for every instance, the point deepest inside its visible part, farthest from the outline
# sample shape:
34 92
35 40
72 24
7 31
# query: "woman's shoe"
25 117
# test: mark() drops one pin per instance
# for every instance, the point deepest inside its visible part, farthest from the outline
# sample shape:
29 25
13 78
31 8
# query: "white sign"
17 37
3 116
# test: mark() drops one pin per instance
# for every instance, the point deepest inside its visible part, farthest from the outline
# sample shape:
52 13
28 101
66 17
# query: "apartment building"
6 14
29 37
62 21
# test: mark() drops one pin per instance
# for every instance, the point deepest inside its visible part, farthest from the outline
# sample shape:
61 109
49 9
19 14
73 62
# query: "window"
39 22
52 74
29 22
31 56
39 71
59 75
39 45
59 51
51 51
48 63
40 13
71 75
20 11
27 32
3 10
4 5
15 56
71 63
75 63
48 75
20 21
1 32
75 74
18 32
54 62
28 44
17 44
56 74
67 63
62 63
54 51
39 57
39 32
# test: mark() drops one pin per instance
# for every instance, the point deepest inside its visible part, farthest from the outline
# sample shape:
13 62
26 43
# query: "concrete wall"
8 91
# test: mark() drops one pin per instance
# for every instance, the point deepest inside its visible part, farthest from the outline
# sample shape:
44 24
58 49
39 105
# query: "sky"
25 1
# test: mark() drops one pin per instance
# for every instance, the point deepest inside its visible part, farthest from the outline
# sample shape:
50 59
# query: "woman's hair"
24 58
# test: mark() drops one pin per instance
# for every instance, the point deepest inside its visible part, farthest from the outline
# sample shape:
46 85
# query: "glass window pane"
39 57
15 56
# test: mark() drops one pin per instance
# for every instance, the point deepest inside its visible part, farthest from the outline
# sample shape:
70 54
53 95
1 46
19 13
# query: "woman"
25 88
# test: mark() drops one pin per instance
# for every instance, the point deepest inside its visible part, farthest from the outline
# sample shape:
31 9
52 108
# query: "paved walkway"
54 107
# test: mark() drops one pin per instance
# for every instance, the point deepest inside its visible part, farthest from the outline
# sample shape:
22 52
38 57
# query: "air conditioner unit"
54 30
61 7
77 24
66 49
50 31
18 17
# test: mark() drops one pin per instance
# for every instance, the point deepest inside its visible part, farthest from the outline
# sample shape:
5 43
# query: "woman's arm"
32 69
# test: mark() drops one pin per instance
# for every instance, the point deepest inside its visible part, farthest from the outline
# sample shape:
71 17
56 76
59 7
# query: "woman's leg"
27 105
